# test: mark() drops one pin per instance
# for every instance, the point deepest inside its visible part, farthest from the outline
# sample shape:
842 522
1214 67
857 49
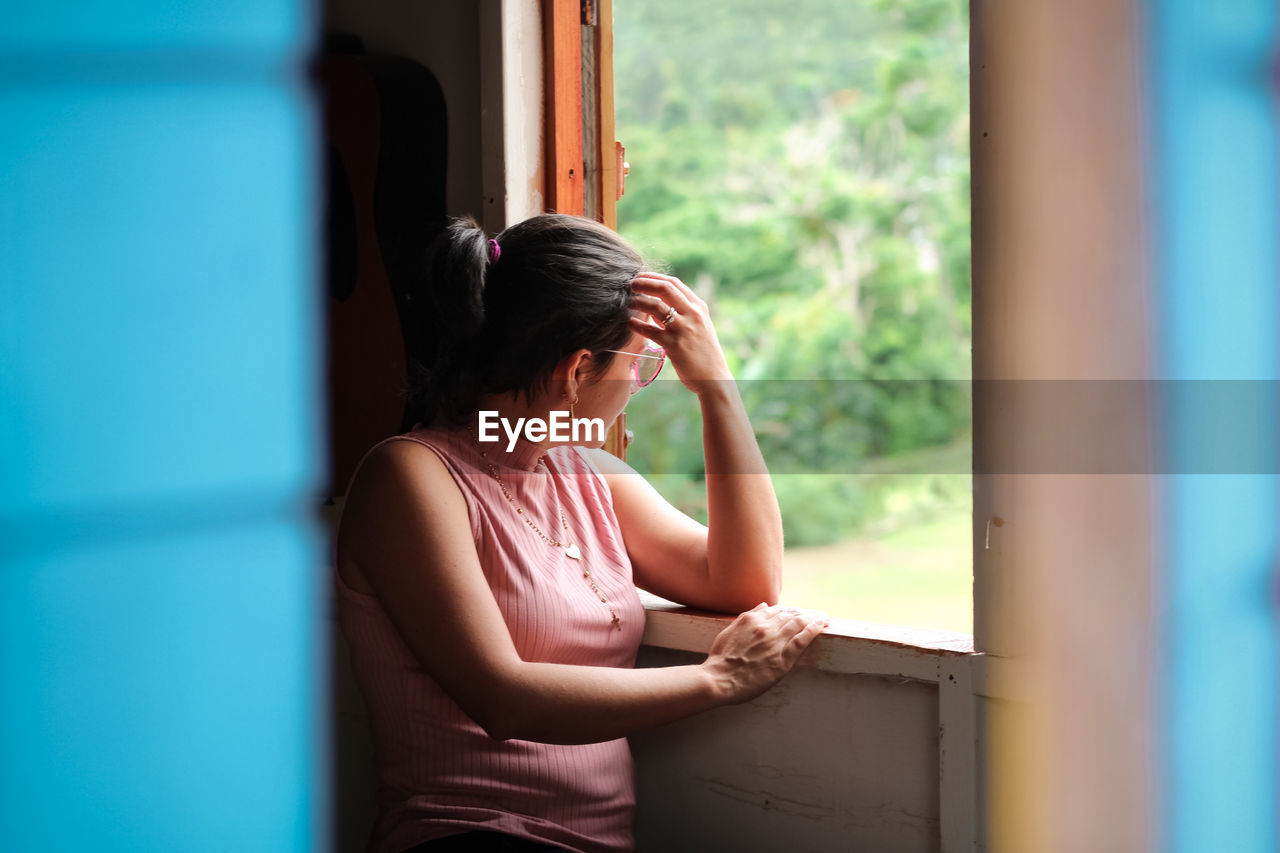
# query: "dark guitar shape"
386 146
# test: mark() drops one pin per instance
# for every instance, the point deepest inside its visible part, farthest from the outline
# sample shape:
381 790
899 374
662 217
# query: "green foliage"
804 166
818 508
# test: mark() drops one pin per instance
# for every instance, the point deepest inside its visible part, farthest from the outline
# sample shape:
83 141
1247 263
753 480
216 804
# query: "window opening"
804 166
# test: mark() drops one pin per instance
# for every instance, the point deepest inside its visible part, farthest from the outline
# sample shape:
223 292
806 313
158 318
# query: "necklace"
571 549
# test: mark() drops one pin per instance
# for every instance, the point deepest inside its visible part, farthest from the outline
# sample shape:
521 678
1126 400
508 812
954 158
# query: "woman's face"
607 396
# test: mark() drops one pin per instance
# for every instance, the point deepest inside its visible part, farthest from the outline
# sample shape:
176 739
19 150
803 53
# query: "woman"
487 588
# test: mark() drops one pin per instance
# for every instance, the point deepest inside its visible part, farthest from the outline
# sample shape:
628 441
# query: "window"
804 167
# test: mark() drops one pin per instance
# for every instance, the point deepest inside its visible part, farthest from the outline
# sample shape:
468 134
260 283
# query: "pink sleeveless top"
439 773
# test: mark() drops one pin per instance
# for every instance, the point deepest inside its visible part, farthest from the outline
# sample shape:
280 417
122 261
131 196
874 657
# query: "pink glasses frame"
635 368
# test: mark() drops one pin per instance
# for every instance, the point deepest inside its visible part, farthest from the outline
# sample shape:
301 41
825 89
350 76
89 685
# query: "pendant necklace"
570 549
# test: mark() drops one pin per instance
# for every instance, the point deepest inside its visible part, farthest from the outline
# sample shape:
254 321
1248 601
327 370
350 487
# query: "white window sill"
847 646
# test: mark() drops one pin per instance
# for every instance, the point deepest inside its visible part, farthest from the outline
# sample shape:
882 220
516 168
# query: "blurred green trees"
804 165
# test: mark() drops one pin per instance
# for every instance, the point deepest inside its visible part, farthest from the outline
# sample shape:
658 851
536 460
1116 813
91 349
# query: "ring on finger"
669 317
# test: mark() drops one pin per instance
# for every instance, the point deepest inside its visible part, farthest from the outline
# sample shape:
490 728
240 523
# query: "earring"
570 402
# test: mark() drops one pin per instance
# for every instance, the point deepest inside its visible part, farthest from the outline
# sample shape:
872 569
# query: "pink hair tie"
495 252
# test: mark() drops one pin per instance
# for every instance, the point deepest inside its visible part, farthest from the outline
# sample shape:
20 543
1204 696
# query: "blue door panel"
1214 155
163 668
168 696
171 314
169 25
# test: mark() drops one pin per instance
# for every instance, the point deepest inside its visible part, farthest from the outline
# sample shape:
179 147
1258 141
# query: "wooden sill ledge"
848 646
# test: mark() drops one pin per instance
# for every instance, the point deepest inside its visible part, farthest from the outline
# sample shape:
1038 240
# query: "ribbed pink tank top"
439 773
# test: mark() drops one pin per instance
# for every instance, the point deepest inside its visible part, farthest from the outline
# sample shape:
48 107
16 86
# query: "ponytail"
450 313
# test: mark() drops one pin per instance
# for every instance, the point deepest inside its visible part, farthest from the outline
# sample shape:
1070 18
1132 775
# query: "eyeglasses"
654 357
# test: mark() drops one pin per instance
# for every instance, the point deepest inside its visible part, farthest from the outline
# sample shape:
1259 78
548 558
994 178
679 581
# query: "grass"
920 574
902 527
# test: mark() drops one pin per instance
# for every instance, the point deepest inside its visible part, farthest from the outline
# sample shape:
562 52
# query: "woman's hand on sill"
758 648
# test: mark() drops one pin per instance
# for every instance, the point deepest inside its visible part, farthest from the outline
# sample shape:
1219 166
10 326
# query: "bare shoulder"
398 484
607 463
628 487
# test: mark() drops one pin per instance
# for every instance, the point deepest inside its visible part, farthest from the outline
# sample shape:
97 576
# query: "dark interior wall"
398 162
444 35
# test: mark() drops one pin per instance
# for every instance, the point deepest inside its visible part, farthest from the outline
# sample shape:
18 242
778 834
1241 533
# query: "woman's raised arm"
405 527
742 554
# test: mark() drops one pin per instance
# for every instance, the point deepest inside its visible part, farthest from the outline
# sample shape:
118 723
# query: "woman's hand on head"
689 339
759 647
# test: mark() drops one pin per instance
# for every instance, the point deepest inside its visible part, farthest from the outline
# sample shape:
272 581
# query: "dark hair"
561 283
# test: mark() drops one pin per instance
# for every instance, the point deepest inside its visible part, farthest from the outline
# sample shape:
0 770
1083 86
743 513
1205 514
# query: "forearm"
558 703
744 538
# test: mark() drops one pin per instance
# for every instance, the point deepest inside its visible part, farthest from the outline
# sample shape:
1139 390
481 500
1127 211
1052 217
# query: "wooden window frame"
582 160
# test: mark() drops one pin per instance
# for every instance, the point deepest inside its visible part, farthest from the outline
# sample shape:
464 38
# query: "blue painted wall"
161 652
1214 156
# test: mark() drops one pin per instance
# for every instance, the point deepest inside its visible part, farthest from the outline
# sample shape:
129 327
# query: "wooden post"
562 43
1064 581
607 150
